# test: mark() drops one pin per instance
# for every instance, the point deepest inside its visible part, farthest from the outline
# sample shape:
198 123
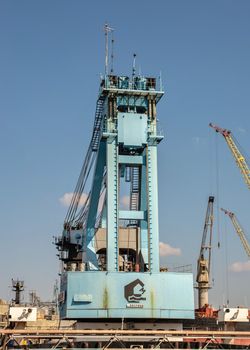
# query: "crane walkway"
103 339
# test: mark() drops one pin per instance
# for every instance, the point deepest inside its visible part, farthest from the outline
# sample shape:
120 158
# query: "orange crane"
239 230
239 158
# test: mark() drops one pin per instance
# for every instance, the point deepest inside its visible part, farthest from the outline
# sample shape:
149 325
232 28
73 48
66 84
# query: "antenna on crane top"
133 70
107 30
112 52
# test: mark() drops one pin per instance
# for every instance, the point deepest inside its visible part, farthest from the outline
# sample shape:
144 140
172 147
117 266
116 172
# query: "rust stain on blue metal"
105 299
152 302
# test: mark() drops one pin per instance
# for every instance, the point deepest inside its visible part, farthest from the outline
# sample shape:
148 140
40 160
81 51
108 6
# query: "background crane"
239 158
238 230
204 260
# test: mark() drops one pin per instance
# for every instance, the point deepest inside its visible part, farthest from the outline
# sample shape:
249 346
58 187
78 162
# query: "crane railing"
239 158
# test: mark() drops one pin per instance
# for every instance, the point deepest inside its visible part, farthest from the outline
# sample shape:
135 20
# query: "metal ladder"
134 192
135 187
96 135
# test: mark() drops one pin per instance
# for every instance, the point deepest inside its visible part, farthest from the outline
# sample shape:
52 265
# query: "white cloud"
196 140
66 198
242 130
166 250
240 266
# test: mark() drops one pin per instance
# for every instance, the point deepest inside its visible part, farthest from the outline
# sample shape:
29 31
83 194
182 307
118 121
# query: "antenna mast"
17 287
133 69
112 53
107 29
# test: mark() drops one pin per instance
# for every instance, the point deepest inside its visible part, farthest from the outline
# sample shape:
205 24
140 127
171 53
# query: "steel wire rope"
226 261
217 177
79 218
79 187
222 273
80 179
211 186
84 214
83 184
80 214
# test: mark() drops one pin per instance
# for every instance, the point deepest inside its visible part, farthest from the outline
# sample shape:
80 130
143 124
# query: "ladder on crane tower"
135 187
134 191
97 124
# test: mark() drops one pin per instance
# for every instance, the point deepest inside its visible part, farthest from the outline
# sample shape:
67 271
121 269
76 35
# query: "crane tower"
110 246
204 260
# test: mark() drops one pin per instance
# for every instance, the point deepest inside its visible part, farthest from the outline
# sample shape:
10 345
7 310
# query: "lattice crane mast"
239 158
204 260
240 232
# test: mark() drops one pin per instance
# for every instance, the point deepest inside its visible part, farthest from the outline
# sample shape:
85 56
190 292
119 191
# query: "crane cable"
226 262
217 178
83 177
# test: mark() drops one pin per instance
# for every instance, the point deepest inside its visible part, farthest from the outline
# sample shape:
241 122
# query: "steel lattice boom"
239 158
239 231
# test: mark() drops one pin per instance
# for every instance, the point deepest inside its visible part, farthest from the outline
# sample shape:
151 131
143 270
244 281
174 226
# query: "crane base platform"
126 295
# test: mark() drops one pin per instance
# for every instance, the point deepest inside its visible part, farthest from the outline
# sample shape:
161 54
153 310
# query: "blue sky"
51 57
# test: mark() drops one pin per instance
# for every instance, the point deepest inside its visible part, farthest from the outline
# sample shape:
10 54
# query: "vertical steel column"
112 206
153 224
143 206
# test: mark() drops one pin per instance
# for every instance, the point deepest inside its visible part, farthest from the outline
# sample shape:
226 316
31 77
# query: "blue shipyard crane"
110 252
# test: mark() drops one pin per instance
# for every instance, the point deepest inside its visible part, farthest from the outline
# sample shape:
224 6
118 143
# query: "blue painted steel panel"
125 159
131 214
132 129
128 295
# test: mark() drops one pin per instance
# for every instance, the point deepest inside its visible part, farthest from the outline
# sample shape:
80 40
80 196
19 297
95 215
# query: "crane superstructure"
204 260
110 250
238 156
239 230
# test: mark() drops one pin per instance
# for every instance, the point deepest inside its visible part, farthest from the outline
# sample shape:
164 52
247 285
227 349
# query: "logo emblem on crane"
133 292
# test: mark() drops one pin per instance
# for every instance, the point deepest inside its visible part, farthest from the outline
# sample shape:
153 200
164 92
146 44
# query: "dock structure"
105 339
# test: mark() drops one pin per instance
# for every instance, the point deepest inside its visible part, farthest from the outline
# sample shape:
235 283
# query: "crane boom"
239 158
238 230
204 260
